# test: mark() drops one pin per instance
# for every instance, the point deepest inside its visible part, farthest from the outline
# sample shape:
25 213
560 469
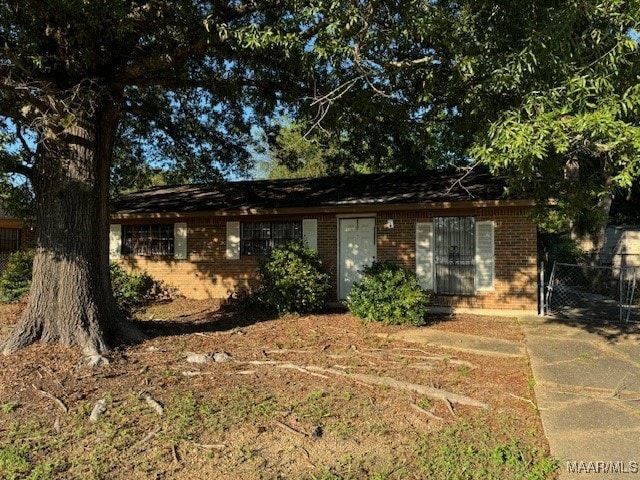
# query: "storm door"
454 255
357 249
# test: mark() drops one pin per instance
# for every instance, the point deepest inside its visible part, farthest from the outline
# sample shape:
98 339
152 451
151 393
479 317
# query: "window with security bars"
148 240
257 238
9 239
454 255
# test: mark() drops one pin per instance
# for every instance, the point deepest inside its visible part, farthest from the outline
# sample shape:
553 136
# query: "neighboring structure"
455 229
13 237
621 246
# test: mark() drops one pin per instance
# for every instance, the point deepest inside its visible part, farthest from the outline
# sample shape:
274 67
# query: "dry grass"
250 418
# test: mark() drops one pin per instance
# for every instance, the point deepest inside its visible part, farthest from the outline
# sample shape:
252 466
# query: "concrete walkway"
587 388
462 342
588 392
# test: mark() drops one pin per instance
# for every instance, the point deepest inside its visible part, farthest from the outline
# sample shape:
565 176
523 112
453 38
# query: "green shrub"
389 294
15 279
129 289
293 280
135 290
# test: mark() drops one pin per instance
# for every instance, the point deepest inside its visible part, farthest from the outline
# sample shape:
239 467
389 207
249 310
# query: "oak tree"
90 89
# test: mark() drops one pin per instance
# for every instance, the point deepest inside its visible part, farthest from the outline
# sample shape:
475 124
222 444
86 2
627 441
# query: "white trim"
425 270
341 216
233 240
310 232
115 241
485 280
180 241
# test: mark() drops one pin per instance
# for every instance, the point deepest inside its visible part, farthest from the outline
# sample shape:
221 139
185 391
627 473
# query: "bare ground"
264 413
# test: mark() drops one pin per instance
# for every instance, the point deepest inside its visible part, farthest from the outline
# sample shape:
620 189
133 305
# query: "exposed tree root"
427 412
431 392
58 402
153 404
94 344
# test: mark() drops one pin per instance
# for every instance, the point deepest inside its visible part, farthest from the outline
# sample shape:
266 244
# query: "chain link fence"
594 291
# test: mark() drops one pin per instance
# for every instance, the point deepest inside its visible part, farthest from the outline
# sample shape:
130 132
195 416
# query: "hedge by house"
293 279
389 294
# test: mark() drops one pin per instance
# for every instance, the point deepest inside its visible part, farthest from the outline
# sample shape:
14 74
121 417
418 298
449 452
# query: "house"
466 240
13 237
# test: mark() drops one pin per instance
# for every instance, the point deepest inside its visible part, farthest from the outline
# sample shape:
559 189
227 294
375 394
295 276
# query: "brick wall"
515 254
208 273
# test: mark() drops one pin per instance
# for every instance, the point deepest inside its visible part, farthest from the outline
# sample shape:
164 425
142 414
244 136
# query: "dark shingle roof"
448 185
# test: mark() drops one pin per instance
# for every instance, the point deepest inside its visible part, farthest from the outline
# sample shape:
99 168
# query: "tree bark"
71 301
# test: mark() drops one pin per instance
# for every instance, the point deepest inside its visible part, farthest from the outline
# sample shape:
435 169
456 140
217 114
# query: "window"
257 238
454 255
148 240
9 239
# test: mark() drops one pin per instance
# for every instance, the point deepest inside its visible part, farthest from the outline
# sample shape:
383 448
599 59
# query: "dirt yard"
292 398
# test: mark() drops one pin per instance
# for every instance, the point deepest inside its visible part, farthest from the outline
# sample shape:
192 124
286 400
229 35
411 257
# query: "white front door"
357 248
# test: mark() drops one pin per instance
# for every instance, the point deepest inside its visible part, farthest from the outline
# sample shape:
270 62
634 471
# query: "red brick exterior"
208 273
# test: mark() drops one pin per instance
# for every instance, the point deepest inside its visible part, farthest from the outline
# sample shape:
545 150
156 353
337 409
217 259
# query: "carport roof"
446 185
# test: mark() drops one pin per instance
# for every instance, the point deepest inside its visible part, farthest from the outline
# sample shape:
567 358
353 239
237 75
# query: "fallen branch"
290 429
210 446
427 412
149 435
58 402
449 406
524 400
174 452
619 387
284 351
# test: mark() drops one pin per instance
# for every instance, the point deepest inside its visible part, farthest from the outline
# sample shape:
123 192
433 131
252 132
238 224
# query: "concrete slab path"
462 342
588 391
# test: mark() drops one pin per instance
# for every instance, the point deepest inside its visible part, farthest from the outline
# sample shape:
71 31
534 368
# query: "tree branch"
9 164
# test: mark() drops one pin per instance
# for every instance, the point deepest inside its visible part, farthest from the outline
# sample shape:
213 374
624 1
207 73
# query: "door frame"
339 219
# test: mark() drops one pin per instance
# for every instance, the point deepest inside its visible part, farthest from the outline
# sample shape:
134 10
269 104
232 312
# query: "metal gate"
454 255
593 291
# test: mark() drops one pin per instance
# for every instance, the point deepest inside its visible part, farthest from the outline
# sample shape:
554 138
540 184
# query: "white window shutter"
180 241
115 241
233 240
424 254
310 232
485 256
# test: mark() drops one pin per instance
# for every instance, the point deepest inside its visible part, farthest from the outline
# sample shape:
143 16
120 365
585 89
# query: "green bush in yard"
130 290
15 279
293 280
135 290
389 294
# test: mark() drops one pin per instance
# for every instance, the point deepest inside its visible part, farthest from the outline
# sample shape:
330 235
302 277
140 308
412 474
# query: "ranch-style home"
13 237
466 241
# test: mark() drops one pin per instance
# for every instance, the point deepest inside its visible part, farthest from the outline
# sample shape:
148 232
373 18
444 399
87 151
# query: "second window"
257 238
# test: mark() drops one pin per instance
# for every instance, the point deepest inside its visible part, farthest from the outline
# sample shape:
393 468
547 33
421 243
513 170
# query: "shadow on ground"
605 322
206 321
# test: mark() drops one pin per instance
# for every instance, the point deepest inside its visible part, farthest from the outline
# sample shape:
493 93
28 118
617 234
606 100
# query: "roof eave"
328 209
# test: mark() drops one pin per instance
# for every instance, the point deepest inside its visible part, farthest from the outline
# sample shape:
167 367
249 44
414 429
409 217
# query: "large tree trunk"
71 301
